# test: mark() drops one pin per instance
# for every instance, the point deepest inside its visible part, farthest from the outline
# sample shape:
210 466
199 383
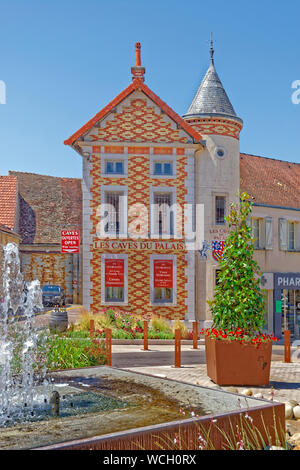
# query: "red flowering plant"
238 305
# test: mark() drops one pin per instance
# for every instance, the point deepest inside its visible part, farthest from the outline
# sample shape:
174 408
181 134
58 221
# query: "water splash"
18 340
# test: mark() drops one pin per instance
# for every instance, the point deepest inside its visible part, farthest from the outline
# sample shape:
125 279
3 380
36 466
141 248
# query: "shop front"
287 304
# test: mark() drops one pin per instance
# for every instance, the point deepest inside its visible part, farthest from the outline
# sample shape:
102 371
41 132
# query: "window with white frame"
163 166
112 201
113 211
163 213
114 279
256 232
291 235
163 279
114 165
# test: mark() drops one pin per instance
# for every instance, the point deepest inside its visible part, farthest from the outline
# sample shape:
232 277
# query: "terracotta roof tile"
4 228
48 204
270 181
8 200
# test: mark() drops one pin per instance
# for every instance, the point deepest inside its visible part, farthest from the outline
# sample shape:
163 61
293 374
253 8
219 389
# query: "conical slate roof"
211 98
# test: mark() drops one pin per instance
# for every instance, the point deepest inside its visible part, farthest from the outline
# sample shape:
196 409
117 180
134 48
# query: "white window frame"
260 232
268 233
282 234
154 233
289 222
152 291
162 159
123 232
107 157
104 257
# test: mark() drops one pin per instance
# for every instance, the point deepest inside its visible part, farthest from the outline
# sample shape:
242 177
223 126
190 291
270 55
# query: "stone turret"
211 111
217 176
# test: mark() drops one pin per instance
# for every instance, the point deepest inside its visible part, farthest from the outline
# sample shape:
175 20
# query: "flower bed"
124 325
238 335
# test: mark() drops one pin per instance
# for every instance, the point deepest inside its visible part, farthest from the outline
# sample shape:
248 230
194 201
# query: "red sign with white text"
163 273
70 240
114 273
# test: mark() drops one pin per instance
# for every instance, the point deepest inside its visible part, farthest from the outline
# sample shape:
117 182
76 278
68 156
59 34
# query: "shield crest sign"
217 250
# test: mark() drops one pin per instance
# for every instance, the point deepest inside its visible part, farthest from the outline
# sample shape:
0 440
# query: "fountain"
18 340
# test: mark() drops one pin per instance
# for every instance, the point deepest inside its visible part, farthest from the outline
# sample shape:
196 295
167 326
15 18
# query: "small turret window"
220 152
220 210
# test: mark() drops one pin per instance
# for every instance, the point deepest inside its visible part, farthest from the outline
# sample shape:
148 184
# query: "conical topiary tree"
238 302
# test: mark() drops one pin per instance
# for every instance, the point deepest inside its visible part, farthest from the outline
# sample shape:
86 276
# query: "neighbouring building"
34 210
275 188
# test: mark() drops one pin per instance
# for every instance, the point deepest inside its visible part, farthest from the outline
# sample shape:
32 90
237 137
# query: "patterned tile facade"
217 127
139 123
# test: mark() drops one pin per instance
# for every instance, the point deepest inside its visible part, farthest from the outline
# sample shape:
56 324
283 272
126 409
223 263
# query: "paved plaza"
159 360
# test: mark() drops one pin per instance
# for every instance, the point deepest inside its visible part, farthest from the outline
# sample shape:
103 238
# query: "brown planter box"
232 363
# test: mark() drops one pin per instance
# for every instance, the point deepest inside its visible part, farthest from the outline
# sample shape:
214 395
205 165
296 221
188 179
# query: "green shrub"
152 334
69 353
161 325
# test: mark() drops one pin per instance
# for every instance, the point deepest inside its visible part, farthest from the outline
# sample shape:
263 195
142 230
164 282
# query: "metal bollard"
287 346
108 345
92 328
195 335
145 336
177 349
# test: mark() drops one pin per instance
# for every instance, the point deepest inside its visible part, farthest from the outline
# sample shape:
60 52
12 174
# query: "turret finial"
212 51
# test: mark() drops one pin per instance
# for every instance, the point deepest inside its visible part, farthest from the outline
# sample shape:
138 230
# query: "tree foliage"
238 300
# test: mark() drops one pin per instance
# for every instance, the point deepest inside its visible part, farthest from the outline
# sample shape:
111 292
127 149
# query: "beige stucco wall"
276 260
214 176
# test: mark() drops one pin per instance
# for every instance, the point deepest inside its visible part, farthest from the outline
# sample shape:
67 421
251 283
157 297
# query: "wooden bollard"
195 335
145 336
92 328
177 349
108 345
287 346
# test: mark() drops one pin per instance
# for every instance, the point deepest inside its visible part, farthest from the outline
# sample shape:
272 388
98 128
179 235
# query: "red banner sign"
114 273
70 240
163 273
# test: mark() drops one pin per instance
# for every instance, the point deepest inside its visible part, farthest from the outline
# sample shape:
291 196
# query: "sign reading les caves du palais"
70 241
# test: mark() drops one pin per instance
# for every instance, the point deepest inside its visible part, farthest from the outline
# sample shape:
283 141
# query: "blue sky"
62 61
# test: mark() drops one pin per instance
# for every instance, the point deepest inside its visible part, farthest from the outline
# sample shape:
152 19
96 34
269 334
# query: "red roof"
270 181
8 200
135 85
